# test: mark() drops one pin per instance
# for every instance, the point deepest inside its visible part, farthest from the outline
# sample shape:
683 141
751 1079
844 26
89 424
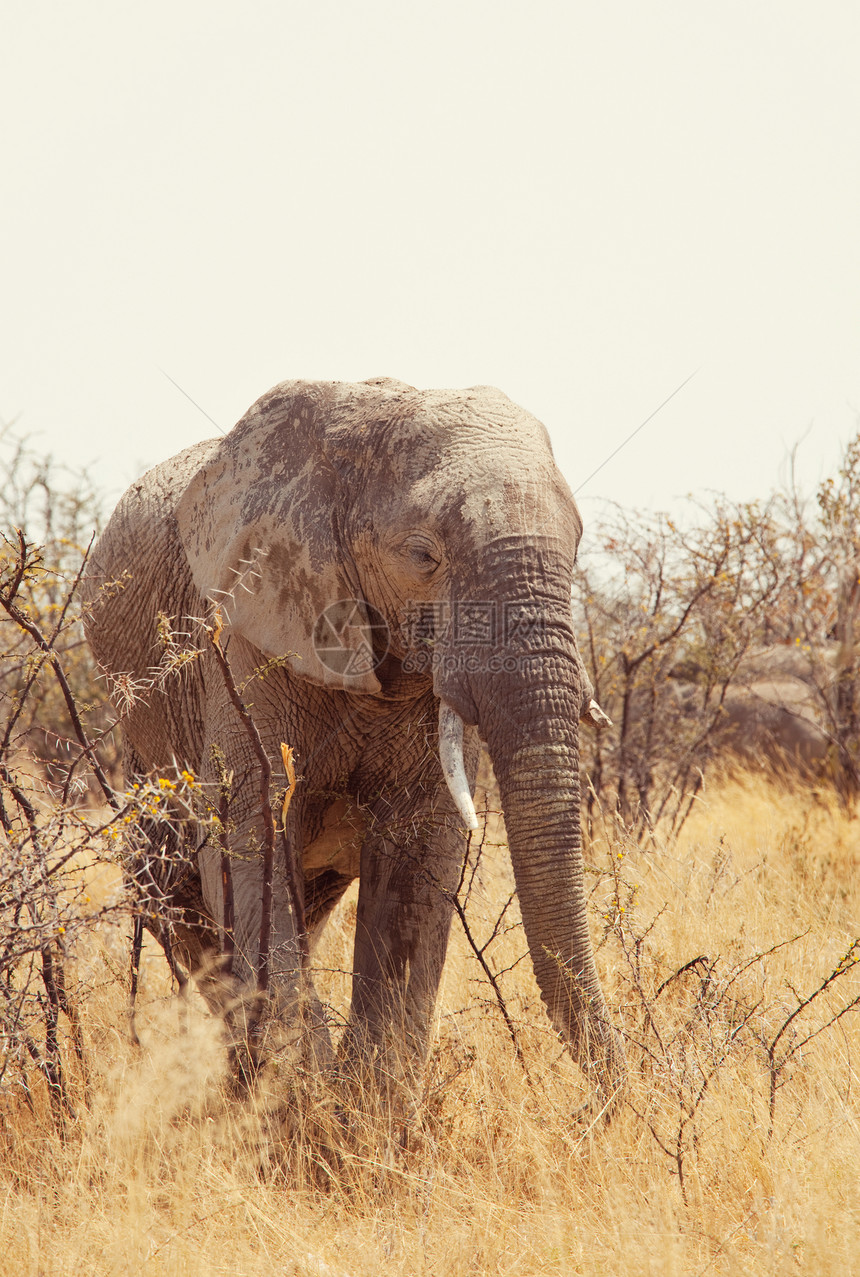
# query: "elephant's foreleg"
259 921
402 926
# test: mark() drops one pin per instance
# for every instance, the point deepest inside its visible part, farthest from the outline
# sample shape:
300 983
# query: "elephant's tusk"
595 715
451 758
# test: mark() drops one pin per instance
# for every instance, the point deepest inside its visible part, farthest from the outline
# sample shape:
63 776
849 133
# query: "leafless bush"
44 834
57 512
819 616
729 632
52 836
668 616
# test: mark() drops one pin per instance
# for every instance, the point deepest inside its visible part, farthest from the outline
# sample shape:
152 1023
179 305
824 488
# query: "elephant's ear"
259 524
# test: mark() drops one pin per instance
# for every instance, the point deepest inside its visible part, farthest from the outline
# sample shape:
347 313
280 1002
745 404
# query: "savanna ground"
734 1151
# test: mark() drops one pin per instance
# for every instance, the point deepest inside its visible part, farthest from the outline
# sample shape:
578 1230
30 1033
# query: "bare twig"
848 962
480 952
7 601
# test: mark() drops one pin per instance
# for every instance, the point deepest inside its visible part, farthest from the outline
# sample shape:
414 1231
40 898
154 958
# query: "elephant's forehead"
474 425
495 500
480 459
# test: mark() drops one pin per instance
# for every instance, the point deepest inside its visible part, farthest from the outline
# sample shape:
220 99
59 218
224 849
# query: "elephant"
388 571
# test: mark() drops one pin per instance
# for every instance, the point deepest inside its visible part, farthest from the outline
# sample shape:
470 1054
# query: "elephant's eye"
423 553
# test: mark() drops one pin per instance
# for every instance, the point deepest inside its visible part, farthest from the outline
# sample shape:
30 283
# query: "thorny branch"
848 962
480 950
41 893
46 647
269 832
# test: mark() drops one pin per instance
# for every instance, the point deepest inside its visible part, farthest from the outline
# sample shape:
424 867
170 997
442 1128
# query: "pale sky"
582 204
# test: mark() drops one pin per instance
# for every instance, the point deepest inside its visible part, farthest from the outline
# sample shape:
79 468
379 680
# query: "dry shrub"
58 512
729 631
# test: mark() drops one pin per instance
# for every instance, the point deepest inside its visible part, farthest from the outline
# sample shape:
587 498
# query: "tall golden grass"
706 948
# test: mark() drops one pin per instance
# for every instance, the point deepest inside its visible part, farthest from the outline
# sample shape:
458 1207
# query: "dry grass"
165 1173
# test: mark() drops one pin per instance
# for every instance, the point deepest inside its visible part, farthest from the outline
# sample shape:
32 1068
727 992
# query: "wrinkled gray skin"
392 496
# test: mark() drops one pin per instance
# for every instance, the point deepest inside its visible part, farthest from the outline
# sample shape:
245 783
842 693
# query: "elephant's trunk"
531 730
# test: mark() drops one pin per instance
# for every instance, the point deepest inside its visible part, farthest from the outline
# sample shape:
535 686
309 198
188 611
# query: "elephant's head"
441 519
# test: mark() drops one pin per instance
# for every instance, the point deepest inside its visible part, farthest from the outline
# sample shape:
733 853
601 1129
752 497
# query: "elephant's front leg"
263 981
410 869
